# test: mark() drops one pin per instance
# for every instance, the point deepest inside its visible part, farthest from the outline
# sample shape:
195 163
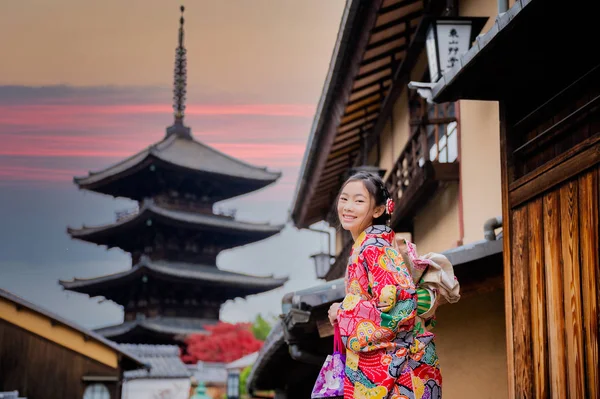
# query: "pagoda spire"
180 84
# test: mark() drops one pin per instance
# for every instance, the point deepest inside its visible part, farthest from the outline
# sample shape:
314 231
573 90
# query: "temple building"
174 286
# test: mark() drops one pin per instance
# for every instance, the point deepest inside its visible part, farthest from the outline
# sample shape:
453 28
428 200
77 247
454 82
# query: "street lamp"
447 39
322 263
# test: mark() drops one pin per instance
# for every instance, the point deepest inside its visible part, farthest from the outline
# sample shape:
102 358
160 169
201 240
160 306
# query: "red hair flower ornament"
389 206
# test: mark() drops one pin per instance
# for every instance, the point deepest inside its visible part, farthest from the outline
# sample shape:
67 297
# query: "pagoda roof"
246 232
186 155
235 284
160 326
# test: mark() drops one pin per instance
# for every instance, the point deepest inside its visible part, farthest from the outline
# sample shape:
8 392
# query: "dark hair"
378 191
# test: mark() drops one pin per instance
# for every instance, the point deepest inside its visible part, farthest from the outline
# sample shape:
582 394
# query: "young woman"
388 355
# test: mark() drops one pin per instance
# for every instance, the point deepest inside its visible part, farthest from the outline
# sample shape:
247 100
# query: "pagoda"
174 287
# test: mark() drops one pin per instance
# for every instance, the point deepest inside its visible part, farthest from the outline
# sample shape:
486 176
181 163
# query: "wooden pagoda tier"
170 287
170 233
155 330
179 164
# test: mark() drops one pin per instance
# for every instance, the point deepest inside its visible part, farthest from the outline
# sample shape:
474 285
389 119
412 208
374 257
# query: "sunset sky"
86 84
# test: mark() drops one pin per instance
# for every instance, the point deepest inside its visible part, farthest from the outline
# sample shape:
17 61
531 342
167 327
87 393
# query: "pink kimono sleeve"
380 300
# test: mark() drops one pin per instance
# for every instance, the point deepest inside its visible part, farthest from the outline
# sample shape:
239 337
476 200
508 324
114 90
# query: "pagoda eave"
116 234
156 330
189 276
177 156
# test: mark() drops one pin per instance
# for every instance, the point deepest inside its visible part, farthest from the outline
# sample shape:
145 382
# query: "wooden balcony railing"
430 156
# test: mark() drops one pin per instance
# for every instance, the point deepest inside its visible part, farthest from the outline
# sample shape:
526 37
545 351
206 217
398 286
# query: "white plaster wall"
156 389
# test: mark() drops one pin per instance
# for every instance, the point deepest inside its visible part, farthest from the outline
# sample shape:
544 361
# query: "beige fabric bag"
432 271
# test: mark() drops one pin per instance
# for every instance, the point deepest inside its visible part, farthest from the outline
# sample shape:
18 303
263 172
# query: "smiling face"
356 208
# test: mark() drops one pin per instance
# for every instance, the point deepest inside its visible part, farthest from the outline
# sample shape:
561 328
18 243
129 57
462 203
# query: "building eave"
530 32
377 47
338 79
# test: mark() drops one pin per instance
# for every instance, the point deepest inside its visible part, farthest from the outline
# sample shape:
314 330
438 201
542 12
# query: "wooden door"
550 187
555 290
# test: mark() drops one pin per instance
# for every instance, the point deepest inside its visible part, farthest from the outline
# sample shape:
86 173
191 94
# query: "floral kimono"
388 354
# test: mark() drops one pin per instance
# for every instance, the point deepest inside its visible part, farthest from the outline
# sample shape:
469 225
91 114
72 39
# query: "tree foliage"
243 380
224 343
261 328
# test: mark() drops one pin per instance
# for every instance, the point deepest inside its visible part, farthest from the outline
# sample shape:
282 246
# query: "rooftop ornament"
180 84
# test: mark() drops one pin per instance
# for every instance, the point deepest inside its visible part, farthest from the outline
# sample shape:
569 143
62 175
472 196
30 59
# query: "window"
439 125
96 391
233 385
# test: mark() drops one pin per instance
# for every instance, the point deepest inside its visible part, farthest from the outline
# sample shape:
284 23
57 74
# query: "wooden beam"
343 145
588 213
554 296
392 38
377 83
375 93
560 169
386 54
374 71
401 75
539 333
507 249
355 124
408 17
396 6
521 314
353 132
359 113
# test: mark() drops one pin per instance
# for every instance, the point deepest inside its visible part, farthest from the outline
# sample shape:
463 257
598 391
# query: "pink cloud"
67 114
54 140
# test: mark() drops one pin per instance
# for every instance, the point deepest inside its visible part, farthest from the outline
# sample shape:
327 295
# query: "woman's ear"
378 211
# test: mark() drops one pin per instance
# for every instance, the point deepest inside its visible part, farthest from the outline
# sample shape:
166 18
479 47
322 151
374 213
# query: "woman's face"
356 208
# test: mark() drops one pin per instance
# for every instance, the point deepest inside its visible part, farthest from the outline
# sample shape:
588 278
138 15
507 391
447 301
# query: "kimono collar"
376 231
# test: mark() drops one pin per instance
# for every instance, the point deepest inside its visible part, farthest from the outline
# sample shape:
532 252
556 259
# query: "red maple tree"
224 343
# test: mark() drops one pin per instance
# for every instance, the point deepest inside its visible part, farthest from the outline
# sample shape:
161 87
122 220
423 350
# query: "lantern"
322 263
447 39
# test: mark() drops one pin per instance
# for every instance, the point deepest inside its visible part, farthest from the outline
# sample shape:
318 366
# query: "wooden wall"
551 244
40 369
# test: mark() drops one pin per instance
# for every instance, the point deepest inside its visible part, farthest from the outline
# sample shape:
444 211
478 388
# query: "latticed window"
96 391
439 123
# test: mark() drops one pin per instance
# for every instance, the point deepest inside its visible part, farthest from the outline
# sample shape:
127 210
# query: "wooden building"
174 287
548 90
513 130
44 356
441 163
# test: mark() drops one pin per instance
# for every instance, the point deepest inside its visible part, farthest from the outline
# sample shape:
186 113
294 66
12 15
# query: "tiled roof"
163 359
149 207
190 272
186 153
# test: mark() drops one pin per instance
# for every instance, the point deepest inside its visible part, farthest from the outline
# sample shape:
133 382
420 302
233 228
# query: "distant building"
174 287
167 378
45 356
